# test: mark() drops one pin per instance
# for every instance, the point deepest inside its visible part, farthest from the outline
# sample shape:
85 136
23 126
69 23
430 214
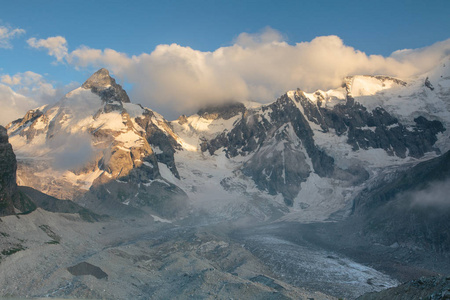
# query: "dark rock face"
8 168
251 132
160 140
10 197
375 129
105 86
280 165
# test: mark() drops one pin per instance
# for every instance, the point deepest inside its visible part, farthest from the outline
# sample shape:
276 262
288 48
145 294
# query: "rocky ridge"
306 153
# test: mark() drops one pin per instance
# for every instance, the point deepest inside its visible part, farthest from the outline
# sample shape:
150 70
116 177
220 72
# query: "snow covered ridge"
306 155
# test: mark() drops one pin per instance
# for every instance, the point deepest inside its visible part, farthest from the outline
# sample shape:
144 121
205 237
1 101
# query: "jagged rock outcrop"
160 136
428 84
11 200
373 129
105 86
27 121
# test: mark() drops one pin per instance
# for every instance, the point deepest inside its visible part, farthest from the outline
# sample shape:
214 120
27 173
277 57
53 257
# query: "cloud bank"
72 150
174 79
13 105
24 91
436 195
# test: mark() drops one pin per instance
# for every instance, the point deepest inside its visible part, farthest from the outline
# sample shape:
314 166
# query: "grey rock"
428 84
160 139
106 87
85 268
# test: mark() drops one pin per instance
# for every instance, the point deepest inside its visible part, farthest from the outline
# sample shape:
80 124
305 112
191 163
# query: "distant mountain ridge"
306 155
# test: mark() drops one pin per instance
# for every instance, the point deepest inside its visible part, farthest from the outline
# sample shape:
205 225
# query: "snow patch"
158 219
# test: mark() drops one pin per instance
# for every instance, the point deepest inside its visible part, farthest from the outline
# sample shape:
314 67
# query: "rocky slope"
409 209
58 255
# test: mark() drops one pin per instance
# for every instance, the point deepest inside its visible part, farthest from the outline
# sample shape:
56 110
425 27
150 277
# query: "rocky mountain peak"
102 84
99 79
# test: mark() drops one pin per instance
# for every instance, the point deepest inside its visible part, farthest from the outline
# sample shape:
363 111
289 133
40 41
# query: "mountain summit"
102 84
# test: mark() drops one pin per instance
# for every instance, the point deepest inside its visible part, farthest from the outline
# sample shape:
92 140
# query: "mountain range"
305 156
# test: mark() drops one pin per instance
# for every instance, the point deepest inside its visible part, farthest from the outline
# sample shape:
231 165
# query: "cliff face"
8 168
10 197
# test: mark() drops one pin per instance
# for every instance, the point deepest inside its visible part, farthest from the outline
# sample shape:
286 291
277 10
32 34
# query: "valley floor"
151 258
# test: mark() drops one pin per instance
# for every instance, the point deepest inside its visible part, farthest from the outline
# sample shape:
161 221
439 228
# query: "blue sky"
136 27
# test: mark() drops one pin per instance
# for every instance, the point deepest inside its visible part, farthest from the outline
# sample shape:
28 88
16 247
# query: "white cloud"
24 91
10 80
435 195
13 105
56 46
6 34
174 79
266 36
72 150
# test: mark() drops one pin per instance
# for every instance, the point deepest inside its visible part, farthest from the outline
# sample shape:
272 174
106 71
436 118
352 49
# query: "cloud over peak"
24 91
174 79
